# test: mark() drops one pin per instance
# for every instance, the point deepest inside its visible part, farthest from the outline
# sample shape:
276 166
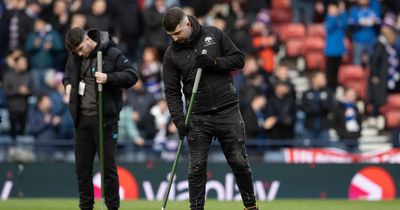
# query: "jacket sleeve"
328 104
307 105
338 122
173 94
125 76
9 85
376 59
67 73
231 57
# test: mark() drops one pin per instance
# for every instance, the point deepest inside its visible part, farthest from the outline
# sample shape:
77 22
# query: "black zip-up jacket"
120 74
216 90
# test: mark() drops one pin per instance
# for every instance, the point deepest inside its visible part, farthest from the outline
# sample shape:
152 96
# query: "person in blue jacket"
363 18
335 25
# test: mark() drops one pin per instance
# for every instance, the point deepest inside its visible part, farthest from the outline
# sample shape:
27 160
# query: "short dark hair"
172 18
73 38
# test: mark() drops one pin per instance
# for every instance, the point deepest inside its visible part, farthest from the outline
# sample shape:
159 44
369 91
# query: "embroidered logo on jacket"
208 41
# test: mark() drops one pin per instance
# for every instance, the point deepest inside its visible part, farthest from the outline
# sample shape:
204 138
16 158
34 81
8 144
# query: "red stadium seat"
350 72
355 77
280 4
314 30
314 44
280 15
276 27
392 103
392 119
315 60
291 31
294 47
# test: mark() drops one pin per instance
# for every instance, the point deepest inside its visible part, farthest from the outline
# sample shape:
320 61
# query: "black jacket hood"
103 40
191 42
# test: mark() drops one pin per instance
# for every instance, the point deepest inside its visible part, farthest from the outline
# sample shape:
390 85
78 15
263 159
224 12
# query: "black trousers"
332 68
17 123
86 147
228 127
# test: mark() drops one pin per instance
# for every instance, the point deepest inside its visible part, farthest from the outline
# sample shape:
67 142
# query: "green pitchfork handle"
101 131
187 117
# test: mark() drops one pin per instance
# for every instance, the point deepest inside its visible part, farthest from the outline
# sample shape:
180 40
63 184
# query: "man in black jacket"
80 80
215 110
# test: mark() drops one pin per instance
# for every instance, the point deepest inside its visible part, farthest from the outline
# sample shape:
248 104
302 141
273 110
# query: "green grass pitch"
293 204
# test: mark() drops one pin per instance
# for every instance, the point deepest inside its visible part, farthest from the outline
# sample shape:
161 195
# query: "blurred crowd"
325 43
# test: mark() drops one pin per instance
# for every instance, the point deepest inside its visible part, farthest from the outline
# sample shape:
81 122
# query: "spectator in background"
251 66
129 24
317 103
363 18
250 81
33 9
17 87
168 3
15 26
128 131
219 21
281 76
347 120
384 76
303 10
76 6
335 25
66 128
254 117
238 25
150 71
59 17
264 41
51 80
160 119
42 45
281 113
99 18
10 61
78 20
154 34
42 123
56 92
141 101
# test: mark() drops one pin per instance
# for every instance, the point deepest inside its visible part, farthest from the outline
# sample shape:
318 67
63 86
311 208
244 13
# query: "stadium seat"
280 15
280 4
291 31
275 27
350 72
314 44
392 103
315 60
294 47
355 77
392 119
316 30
